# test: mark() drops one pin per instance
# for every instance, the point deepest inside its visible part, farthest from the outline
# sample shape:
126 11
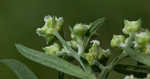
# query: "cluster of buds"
141 39
51 24
131 26
117 40
80 29
72 44
52 49
78 32
96 52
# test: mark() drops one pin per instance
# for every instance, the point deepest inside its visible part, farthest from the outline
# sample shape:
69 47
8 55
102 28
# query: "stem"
105 70
60 75
72 52
104 73
77 57
101 66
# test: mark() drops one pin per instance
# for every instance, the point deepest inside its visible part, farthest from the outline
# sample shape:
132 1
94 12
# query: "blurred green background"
20 18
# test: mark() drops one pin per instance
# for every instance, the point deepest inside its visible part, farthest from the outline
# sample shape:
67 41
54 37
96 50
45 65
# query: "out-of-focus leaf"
22 71
53 62
94 26
139 56
137 71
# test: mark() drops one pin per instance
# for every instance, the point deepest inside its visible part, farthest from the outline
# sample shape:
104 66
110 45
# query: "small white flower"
95 42
48 18
59 18
129 77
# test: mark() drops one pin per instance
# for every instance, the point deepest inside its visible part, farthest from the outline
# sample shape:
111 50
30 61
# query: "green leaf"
137 71
22 71
96 24
53 62
93 28
139 56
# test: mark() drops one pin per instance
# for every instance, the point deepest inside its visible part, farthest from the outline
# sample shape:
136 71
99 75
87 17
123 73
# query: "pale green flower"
93 53
72 43
51 24
143 38
117 40
52 49
80 29
131 26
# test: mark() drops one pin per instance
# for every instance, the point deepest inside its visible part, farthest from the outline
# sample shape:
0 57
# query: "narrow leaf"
137 71
94 27
98 23
53 62
22 71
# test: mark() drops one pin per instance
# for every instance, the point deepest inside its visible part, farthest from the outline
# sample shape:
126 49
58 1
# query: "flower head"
131 26
143 37
52 49
51 24
80 29
117 40
95 42
93 53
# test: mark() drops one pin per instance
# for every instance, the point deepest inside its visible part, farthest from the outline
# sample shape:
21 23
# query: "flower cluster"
79 34
51 24
80 48
141 40
96 52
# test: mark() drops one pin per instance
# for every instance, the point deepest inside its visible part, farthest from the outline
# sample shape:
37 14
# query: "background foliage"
20 18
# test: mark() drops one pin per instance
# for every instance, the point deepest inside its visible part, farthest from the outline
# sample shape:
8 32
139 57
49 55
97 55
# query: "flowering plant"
90 58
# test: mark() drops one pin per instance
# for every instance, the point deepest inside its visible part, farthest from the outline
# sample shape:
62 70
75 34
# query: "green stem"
101 66
60 75
77 57
107 69
104 73
71 51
